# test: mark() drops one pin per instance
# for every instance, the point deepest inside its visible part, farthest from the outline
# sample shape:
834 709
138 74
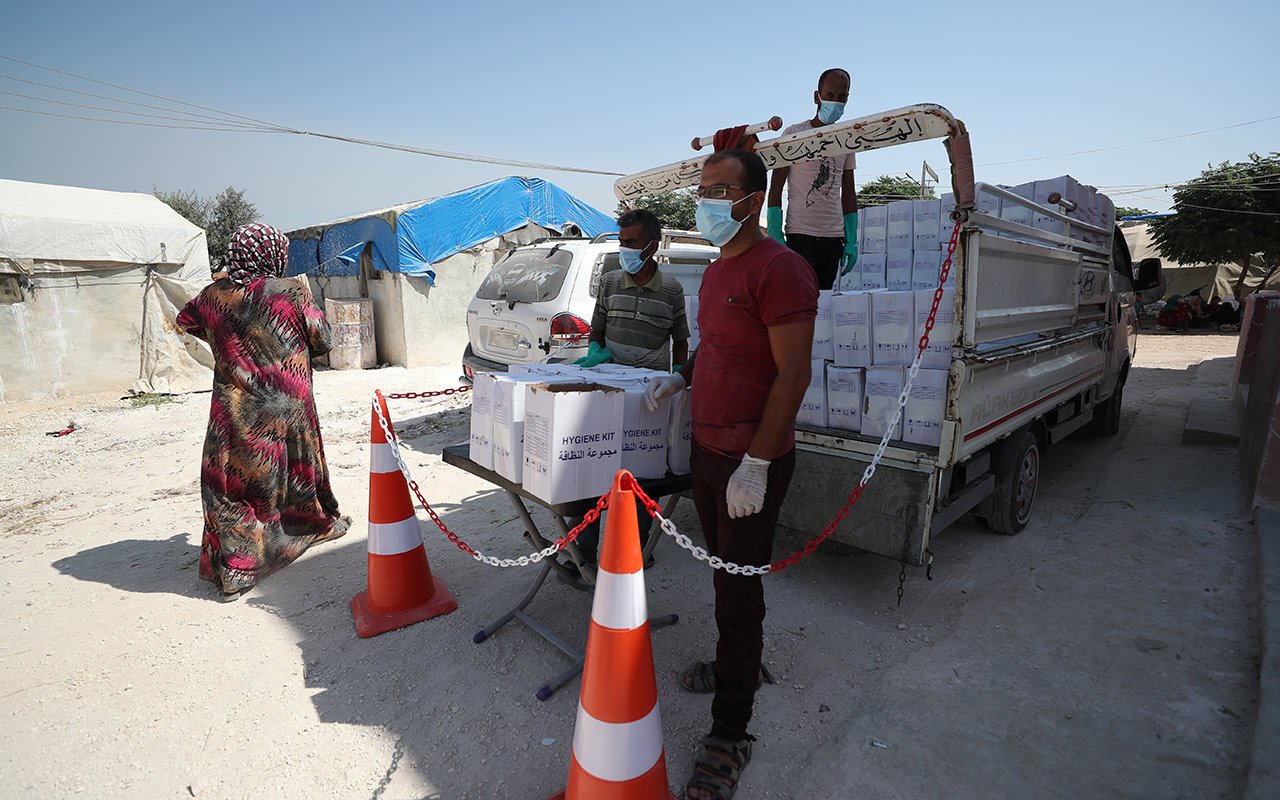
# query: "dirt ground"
1110 650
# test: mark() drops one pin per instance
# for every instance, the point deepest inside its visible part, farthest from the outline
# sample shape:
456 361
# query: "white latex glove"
745 495
661 387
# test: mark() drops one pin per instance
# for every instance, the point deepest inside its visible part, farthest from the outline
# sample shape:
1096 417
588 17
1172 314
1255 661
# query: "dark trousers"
589 539
739 598
822 253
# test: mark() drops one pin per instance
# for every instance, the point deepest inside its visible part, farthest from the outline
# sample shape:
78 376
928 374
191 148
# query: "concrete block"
1211 421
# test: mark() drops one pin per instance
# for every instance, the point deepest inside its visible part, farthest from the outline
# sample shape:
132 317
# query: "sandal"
701 677
717 771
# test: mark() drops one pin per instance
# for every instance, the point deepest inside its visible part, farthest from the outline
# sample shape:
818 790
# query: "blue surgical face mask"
632 259
715 220
829 111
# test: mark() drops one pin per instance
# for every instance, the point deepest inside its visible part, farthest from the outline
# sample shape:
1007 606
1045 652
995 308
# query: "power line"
194 117
227 126
135 91
273 127
1130 144
135 122
1177 205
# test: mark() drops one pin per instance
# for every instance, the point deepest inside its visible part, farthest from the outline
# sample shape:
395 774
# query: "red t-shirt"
740 299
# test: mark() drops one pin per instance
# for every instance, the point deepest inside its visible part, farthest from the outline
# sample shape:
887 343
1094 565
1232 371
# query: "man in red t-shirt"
756 310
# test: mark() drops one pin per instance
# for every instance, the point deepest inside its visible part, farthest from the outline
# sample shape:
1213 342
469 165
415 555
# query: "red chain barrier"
592 515
423 395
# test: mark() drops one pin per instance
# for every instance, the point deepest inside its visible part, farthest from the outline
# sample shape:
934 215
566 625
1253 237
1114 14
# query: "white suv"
536 304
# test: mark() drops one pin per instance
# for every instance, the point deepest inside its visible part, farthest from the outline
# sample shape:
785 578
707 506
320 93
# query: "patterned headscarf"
256 251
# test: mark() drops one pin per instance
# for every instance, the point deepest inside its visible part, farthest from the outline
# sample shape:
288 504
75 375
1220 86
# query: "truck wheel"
1008 508
1106 417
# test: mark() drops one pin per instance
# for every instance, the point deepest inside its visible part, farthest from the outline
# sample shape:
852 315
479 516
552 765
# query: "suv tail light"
569 329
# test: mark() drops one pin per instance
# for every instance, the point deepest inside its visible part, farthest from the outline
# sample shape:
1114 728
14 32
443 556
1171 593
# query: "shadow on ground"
169 566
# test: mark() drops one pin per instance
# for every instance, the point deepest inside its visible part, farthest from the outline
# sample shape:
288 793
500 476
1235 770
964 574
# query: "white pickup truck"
1044 336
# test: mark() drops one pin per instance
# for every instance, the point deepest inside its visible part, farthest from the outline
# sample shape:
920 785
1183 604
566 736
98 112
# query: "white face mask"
715 220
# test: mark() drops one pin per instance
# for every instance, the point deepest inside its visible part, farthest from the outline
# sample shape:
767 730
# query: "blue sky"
625 87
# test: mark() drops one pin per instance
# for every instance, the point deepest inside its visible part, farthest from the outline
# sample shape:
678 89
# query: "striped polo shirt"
640 322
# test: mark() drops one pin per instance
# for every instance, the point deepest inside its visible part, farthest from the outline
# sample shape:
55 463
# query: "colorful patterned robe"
264 481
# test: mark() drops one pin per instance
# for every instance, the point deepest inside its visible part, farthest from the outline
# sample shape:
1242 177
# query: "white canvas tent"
90 284
1214 280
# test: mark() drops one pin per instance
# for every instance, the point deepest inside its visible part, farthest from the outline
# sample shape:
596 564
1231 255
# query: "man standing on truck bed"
756 310
822 203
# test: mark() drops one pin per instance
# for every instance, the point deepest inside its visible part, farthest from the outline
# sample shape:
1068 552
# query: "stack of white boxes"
563 431
877 317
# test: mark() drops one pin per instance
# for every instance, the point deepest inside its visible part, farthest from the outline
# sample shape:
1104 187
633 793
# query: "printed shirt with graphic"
740 299
813 192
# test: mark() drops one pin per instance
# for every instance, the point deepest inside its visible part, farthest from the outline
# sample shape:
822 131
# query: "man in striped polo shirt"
639 321
639 317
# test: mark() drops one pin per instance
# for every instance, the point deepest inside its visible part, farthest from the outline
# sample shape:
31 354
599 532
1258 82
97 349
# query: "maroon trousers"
739 598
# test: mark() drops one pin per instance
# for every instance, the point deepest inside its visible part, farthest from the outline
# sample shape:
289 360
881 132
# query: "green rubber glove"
774 219
850 242
596 355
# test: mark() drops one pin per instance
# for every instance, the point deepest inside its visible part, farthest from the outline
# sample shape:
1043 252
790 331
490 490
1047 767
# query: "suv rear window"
527 276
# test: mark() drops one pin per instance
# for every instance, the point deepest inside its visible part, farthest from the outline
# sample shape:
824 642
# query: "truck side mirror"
1149 274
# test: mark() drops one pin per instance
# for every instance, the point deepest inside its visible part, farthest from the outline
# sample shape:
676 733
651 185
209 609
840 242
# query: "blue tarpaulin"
412 238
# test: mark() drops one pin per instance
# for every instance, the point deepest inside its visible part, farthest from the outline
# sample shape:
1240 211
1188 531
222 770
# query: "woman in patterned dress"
264 481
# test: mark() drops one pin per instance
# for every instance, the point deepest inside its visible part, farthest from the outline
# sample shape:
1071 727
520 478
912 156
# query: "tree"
218 216
1130 211
887 188
675 209
1230 213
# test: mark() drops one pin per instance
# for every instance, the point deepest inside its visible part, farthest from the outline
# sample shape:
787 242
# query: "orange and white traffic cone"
617 740
402 589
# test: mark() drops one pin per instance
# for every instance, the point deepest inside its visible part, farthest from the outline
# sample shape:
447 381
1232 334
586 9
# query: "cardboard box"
691 314
507 404
871 270
900 229
938 354
882 387
850 282
986 203
1017 212
926 224
644 432
481 440
844 398
926 407
851 329
897 270
572 440
873 228
544 369
892 328
1064 185
925 267
813 408
680 433
822 347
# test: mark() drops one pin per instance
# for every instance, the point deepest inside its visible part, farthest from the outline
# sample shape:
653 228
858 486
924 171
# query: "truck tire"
1008 508
1106 417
